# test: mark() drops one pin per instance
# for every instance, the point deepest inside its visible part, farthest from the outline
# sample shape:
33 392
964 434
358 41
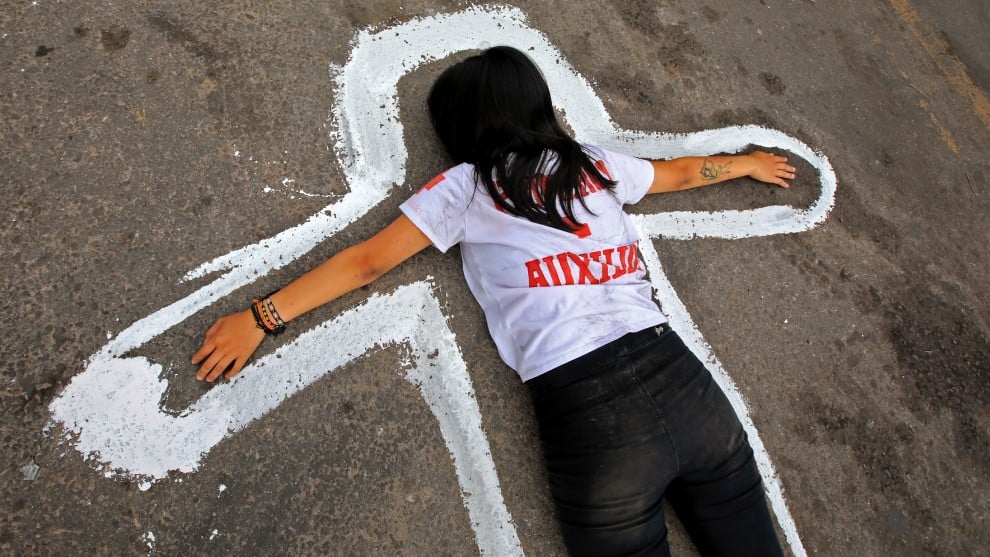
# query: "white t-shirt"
548 295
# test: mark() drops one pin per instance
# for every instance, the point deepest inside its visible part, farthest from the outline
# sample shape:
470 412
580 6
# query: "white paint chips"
149 539
112 410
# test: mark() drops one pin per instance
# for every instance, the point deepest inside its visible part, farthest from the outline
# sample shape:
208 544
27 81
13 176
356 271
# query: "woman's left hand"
771 168
228 344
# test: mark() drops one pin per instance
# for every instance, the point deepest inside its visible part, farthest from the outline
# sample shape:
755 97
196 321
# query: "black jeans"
633 422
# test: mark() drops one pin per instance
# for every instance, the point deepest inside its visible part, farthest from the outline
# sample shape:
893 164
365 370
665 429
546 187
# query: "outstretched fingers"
784 172
213 366
773 169
235 367
227 346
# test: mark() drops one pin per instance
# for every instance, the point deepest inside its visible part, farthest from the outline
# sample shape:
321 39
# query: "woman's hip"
644 388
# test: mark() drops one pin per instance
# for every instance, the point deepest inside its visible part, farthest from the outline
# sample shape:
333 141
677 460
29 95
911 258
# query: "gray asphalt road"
143 139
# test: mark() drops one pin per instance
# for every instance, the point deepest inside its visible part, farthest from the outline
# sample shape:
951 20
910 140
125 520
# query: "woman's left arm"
690 172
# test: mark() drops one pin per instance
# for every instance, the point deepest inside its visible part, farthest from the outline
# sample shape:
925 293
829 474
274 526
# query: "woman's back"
549 295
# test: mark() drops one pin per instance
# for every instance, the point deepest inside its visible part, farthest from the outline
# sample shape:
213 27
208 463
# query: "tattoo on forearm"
711 170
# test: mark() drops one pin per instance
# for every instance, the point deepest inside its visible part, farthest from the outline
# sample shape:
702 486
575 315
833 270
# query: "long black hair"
493 110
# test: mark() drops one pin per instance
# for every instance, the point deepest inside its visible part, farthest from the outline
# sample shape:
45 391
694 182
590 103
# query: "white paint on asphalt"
112 410
149 539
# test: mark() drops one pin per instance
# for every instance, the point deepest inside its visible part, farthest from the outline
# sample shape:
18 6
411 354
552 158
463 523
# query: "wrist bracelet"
266 317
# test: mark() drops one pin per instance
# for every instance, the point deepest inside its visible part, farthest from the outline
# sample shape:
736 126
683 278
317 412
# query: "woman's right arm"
230 342
690 172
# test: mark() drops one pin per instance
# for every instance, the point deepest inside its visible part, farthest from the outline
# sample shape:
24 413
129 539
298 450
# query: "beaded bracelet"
266 317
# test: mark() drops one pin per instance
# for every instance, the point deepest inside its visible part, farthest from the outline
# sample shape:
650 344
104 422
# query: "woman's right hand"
228 344
771 168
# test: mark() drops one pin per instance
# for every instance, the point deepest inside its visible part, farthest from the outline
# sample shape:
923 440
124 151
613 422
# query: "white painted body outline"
112 409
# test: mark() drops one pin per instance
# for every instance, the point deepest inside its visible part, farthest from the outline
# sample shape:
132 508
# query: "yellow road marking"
950 66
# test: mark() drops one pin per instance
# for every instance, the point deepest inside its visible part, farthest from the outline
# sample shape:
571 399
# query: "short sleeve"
633 176
438 208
